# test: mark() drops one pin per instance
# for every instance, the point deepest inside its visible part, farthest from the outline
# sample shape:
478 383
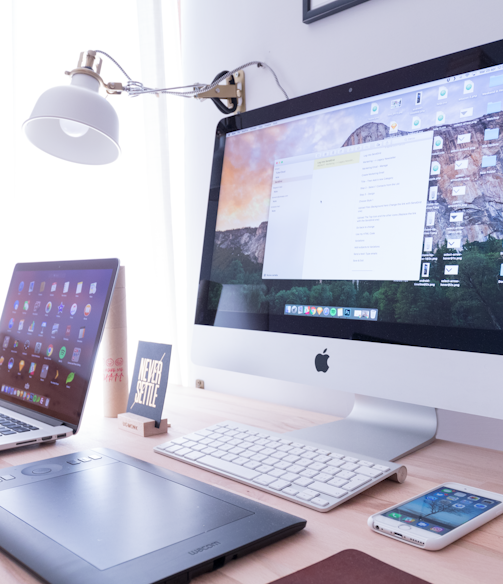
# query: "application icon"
82 332
76 354
464 138
431 498
313 310
319 310
333 311
92 288
347 312
32 286
43 373
70 377
66 286
488 161
466 112
26 305
11 323
438 143
487 502
439 494
73 309
395 515
491 134
2 359
87 310
433 193
440 118
56 375
31 328
340 312
456 217
430 218
26 345
458 506
442 93
294 310
53 287
447 490
451 270
458 494
79 288
68 329
419 97
416 123
60 308
423 524
393 127
494 107
21 365
21 286
453 243
469 86
408 520
42 287
16 343
20 326
16 305
480 506
10 364
38 348
435 167
396 103
62 352
326 311
55 328
459 191
300 309
33 366
428 244
437 529
357 313
43 325
288 309
48 307
451 498
50 350
374 109
37 306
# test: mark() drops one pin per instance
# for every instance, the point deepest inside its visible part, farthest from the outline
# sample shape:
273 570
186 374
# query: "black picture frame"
312 15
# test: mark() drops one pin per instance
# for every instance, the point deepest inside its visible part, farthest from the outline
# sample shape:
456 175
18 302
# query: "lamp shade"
75 123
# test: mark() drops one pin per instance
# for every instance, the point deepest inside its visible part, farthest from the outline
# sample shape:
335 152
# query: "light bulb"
73 129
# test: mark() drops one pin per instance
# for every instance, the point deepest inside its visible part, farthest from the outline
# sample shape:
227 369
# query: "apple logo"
320 361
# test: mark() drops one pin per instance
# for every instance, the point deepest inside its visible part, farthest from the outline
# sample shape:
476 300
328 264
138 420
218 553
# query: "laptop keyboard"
10 425
304 472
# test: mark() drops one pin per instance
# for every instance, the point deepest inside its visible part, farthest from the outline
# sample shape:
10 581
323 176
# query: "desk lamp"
77 124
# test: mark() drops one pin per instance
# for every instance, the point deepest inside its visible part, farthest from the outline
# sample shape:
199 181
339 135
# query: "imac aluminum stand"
377 427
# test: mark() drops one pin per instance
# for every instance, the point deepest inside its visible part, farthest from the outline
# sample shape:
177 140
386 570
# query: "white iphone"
439 516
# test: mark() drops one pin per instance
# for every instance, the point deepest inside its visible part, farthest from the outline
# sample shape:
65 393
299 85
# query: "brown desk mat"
350 567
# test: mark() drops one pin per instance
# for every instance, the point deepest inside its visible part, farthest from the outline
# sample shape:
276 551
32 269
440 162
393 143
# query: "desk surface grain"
478 557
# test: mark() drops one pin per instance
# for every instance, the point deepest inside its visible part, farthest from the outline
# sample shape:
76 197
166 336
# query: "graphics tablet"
100 516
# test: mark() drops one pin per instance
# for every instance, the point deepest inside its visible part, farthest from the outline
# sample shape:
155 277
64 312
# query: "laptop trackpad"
112 514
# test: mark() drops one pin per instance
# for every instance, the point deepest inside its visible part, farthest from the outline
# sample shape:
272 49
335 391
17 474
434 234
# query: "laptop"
50 330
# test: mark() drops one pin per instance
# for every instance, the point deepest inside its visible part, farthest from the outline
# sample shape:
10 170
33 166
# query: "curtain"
132 209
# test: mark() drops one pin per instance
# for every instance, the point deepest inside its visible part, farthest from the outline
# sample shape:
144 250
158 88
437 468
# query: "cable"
135 88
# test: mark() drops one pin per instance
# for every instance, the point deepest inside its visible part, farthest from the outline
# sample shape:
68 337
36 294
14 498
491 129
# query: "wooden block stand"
140 425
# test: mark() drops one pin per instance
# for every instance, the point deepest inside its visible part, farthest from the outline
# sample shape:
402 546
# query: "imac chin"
354 241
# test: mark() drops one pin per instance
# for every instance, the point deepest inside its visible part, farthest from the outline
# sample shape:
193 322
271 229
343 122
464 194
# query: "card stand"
140 425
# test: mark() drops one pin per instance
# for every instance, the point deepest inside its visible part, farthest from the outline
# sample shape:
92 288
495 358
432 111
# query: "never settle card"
150 381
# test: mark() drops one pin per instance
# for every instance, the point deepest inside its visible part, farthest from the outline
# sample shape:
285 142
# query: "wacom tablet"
102 516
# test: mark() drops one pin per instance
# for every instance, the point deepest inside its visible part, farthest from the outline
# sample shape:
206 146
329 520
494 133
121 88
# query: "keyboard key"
308 473
290 491
349 466
295 468
282 464
319 501
279 485
317 466
194 455
368 472
335 462
183 451
303 482
381 467
337 482
264 480
327 489
252 464
307 494
350 459
264 468
322 458
239 471
354 484
229 457
276 472
323 477
290 476
365 463
345 474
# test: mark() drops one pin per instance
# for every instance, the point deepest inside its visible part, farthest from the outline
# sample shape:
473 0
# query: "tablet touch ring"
41 469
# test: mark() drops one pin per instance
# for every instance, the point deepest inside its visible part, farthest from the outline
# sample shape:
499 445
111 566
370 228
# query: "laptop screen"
49 334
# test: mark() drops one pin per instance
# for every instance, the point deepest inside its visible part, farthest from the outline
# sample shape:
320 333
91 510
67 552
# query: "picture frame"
313 10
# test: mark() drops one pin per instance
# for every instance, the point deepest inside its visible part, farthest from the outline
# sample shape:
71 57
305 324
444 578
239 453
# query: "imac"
354 240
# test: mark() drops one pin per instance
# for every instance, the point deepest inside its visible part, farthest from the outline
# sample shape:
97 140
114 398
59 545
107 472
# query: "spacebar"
235 469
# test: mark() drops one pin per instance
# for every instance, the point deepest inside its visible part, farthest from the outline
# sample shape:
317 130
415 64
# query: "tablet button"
404 526
41 470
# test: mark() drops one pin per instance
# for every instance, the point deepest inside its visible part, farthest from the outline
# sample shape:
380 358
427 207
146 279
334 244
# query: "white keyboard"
304 472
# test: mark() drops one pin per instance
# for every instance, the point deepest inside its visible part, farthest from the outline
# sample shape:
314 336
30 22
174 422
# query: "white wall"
373 37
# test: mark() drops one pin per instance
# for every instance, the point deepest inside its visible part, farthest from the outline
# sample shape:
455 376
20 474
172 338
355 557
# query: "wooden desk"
477 557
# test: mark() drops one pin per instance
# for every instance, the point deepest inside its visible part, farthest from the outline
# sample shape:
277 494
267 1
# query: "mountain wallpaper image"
473 299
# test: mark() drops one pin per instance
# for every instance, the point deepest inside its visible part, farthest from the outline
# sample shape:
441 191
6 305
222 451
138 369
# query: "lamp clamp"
90 65
232 90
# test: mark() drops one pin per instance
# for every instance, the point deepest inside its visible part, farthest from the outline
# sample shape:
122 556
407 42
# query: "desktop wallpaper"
467 121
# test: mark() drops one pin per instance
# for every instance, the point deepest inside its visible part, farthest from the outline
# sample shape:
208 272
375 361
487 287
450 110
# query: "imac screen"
370 211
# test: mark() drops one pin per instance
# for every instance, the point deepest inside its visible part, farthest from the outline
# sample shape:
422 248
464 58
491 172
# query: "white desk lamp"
77 124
